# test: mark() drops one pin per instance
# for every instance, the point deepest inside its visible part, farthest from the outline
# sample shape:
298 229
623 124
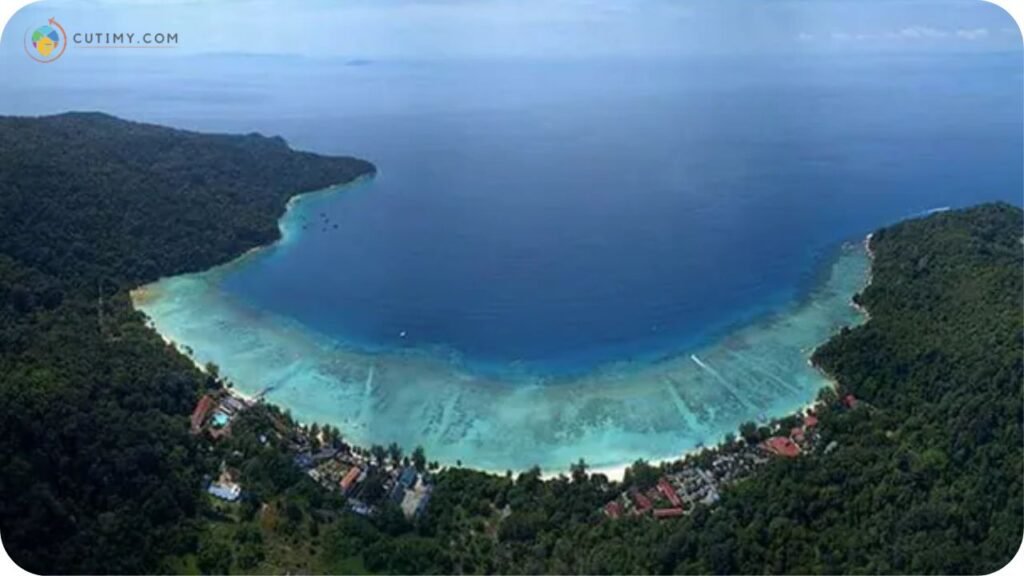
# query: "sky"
406 29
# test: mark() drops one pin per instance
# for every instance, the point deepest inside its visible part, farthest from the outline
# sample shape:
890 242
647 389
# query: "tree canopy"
97 471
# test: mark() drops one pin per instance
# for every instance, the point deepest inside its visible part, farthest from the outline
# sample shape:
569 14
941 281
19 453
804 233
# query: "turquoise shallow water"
610 416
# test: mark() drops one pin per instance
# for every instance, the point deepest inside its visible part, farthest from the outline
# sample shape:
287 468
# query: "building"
643 504
665 488
415 500
811 421
201 411
613 509
397 494
359 507
408 477
228 491
781 446
325 454
668 512
230 404
304 460
350 478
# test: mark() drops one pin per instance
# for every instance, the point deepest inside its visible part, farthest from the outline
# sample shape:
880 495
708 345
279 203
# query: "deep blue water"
578 223
572 213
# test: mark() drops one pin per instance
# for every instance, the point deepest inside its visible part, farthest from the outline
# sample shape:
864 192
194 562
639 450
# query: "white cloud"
921 32
858 37
805 37
910 33
975 34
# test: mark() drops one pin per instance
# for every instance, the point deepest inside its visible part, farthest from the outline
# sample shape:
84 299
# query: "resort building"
665 488
201 411
642 503
350 479
225 491
781 446
668 512
613 509
416 498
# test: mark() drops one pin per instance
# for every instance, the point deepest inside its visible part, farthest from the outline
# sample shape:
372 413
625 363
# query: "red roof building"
350 478
797 434
665 488
202 410
781 446
613 509
811 421
643 503
668 512
850 401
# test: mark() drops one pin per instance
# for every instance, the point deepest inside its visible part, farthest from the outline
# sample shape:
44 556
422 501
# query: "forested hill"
938 480
97 472
86 196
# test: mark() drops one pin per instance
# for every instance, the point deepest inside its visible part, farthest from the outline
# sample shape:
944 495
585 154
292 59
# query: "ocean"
607 259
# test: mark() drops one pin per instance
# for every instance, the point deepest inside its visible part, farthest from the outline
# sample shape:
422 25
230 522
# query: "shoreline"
617 472
142 293
614 472
871 276
139 293
833 382
282 232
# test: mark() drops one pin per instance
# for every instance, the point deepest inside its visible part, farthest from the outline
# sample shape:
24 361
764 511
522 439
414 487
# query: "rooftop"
781 446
